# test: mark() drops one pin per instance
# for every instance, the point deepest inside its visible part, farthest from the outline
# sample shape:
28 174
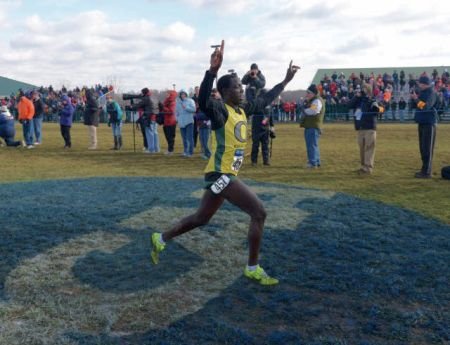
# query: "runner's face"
235 92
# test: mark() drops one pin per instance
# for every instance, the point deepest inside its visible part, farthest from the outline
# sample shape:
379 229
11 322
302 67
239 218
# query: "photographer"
149 107
262 129
366 110
255 81
425 102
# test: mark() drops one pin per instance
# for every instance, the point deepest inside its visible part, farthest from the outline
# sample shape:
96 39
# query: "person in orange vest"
25 108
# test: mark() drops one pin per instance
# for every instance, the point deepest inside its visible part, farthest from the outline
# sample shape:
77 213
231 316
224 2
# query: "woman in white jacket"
185 111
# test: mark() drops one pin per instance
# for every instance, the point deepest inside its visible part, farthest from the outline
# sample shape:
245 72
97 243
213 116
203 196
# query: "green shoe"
260 275
157 247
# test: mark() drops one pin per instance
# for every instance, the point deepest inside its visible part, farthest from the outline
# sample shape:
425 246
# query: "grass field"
396 160
361 260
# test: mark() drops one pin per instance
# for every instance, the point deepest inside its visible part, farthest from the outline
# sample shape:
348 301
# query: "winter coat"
25 108
426 107
369 109
38 108
66 113
7 129
91 112
185 110
169 109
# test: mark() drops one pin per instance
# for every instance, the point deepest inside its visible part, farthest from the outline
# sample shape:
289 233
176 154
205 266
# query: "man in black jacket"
38 117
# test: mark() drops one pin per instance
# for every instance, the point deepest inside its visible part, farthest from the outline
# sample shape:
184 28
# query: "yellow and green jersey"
228 143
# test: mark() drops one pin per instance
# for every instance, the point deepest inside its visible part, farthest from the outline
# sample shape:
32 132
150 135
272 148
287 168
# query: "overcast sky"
157 43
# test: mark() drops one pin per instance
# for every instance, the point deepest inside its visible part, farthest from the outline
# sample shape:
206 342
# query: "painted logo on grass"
76 267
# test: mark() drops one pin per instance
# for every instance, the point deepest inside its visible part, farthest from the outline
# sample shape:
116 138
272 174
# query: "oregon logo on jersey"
240 131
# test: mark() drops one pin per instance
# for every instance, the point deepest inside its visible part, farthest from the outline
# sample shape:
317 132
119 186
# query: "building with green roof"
9 86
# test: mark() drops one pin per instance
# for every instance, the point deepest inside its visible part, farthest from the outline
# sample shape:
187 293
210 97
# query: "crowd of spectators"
391 90
52 100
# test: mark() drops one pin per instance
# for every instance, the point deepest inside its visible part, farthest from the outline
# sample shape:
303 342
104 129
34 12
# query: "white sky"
157 43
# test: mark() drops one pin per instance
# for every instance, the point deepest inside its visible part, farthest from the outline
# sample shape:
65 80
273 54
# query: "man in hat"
312 120
426 103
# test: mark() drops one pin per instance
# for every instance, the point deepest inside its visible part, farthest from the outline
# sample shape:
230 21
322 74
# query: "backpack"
445 172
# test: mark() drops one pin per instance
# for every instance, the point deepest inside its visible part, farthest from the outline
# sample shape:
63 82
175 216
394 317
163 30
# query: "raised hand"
217 58
290 73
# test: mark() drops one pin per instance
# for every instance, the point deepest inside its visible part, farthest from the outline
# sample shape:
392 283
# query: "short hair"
224 82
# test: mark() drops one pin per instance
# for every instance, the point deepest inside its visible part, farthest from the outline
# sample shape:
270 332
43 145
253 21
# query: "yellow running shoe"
157 247
261 276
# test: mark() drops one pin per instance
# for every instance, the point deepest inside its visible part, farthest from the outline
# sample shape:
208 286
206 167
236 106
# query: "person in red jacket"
25 108
170 120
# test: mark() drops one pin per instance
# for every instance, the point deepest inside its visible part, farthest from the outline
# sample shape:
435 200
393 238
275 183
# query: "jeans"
116 129
151 133
187 133
27 127
312 136
204 134
401 113
37 124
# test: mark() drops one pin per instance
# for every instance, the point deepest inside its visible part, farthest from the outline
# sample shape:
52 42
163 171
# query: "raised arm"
208 80
262 101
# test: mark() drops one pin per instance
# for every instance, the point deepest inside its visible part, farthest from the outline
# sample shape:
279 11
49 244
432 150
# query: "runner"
229 134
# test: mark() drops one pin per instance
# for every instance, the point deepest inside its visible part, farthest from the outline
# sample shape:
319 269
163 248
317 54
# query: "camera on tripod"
131 96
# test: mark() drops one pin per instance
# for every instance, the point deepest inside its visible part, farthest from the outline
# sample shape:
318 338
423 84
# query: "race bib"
238 159
220 184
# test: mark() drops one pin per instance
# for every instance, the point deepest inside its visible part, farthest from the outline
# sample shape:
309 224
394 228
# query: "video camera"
131 96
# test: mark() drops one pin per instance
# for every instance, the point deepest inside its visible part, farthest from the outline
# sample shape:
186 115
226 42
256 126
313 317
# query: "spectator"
91 118
148 108
365 117
26 112
170 120
185 110
312 120
255 81
114 120
65 120
205 127
197 110
401 109
7 129
38 117
261 125
425 103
